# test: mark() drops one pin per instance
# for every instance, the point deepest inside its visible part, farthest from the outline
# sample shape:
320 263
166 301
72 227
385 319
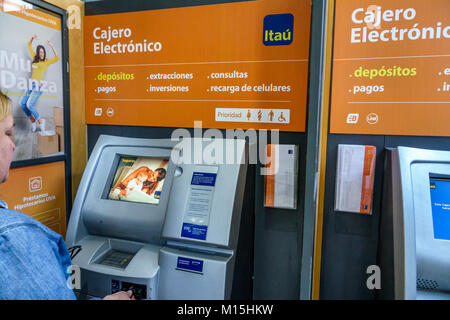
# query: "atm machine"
414 248
165 228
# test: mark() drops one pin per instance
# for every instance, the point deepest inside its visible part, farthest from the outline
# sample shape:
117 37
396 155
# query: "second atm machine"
414 248
164 230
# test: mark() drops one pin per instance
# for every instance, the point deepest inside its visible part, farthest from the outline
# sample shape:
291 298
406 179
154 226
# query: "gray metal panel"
401 275
76 230
223 227
213 283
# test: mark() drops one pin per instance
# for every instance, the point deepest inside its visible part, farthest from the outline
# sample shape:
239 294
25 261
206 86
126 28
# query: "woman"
40 64
150 185
152 181
34 260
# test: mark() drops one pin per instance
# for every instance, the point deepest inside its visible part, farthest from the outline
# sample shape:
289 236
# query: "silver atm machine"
163 219
414 247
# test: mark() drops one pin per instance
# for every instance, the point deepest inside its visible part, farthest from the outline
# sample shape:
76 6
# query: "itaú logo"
278 29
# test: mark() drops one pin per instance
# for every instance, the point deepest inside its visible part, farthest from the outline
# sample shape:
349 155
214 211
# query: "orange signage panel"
391 69
39 192
232 65
25 11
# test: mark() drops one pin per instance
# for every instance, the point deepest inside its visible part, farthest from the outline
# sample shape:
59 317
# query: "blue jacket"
34 260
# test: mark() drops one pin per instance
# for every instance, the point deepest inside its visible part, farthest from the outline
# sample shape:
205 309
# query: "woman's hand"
121 295
33 37
53 48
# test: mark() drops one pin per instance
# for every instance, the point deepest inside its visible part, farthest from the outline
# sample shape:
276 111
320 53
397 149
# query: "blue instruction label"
194 231
204 179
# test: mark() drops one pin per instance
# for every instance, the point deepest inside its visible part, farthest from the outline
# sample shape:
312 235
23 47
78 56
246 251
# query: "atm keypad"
118 259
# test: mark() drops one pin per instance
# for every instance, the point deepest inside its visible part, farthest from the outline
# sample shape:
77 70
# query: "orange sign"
233 65
391 70
39 192
25 11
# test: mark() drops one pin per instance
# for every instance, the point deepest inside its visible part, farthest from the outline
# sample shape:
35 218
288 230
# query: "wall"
76 75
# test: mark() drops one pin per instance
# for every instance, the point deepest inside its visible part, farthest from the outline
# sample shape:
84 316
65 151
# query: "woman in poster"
149 184
40 64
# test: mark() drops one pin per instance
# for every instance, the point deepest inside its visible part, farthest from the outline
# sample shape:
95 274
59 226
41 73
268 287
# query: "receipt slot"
163 226
414 251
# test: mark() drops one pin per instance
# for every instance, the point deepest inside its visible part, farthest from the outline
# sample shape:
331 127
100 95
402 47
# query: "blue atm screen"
440 205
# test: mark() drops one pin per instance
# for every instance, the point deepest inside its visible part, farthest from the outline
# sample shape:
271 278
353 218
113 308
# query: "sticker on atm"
189 264
194 231
199 202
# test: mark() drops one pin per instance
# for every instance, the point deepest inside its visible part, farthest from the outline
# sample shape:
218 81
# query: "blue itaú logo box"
278 29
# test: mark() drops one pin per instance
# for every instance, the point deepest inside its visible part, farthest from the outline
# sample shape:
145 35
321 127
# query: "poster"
31 76
391 70
39 192
232 65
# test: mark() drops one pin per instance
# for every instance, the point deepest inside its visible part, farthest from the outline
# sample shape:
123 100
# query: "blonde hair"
5 106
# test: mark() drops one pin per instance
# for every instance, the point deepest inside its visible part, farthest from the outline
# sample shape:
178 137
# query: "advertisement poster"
231 65
31 76
39 192
391 68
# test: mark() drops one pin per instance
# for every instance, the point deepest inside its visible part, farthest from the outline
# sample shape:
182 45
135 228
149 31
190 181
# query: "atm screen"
440 205
139 179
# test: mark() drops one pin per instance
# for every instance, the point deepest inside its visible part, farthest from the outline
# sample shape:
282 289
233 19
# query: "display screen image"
116 258
139 179
440 205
